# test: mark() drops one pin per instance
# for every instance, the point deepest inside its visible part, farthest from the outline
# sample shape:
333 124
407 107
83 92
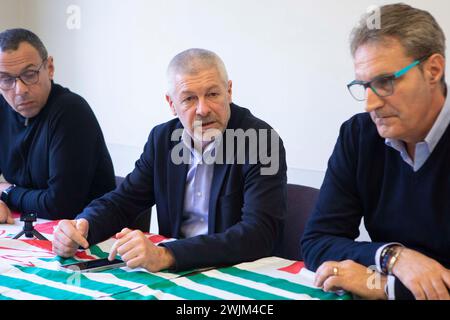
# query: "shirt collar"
439 127
209 150
434 135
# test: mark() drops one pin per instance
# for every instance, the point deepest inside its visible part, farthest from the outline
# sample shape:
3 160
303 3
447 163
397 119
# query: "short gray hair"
416 30
193 61
11 39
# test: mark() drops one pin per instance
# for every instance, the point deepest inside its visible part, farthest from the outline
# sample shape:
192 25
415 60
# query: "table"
29 270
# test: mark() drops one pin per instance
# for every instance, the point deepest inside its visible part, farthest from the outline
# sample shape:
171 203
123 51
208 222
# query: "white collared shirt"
425 148
198 188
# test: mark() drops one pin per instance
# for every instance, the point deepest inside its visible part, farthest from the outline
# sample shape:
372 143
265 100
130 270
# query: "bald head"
192 62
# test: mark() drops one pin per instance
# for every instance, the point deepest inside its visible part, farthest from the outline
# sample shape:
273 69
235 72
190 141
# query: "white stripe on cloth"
221 294
17 274
145 291
164 275
270 267
257 285
109 278
19 295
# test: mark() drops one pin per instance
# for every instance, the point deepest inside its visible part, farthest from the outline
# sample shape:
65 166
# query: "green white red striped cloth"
29 270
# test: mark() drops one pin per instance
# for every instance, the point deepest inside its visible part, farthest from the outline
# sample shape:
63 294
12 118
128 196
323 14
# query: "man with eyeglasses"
53 156
390 166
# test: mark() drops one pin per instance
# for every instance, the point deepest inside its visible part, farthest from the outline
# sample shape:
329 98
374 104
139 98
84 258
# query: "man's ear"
50 67
230 90
435 68
171 105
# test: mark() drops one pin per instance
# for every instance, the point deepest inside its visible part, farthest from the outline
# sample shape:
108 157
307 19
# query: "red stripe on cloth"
83 255
46 227
15 215
22 250
294 268
156 238
42 244
22 261
47 245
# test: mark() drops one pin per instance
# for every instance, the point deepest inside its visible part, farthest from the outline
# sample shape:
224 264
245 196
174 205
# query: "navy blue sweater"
59 161
366 178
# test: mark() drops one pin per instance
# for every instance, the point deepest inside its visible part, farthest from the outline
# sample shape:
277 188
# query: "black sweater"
59 161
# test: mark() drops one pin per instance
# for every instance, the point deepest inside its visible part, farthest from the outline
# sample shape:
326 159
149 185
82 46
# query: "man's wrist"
167 259
400 256
388 258
389 288
4 185
5 194
384 284
381 251
397 250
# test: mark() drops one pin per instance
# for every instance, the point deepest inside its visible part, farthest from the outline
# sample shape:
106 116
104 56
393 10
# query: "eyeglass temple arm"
399 73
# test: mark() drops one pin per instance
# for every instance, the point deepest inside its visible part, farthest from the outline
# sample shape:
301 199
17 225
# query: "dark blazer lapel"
176 183
220 171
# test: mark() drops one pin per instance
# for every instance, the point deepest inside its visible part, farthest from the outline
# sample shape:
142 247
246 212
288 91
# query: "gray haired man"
390 166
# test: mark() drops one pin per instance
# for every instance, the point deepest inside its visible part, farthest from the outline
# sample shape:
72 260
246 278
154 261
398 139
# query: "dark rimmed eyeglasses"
382 86
28 77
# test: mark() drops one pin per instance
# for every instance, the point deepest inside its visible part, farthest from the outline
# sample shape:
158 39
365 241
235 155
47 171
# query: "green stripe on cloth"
140 277
234 288
164 287
179 273
40 289
96 251
182 292
60 260
66 277
283 284
130 295
158 283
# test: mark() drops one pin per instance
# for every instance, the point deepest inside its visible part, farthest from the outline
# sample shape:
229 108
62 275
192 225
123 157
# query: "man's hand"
423 276
351 276
5 214
137 251
69 235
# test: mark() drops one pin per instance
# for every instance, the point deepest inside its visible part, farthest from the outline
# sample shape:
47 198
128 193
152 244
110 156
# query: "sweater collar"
28 121
426 147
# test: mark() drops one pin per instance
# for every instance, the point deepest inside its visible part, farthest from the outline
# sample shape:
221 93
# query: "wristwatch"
5 193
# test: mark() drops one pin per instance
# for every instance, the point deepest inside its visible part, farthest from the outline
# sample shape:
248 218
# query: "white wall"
9 18
289 60
9 14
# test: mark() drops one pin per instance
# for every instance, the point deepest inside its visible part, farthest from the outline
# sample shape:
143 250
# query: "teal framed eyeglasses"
382 86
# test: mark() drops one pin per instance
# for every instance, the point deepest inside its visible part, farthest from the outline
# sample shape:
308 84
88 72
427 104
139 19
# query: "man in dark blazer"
221 190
